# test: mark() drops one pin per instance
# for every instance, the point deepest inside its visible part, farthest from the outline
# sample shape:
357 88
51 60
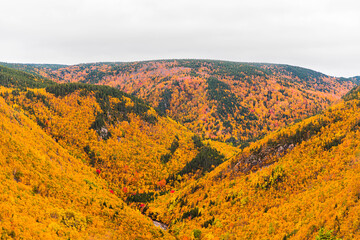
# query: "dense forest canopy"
242 101
82 160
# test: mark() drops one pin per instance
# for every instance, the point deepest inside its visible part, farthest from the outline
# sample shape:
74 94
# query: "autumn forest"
178 149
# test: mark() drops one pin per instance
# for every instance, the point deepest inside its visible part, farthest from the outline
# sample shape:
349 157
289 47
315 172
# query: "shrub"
73 219
197 141
197 233
165 158
325 234
174 145
193 213
208 222
141 197
277 175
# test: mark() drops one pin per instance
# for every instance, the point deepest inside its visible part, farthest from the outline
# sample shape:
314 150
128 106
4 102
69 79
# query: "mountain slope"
137 151
47 193
356 79
51 133
30 68
76 156
19 79
233 102
300 182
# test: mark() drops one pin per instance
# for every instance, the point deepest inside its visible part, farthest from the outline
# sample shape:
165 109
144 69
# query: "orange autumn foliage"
299 182
48 193
233 102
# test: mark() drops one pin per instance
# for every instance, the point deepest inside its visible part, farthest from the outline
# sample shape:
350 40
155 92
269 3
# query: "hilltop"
228 101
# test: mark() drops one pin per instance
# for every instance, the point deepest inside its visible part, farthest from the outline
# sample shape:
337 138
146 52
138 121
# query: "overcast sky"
323 35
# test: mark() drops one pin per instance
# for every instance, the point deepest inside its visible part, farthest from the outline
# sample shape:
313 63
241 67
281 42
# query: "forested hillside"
233 102
301 182
126 151
85 161
47 192
356 79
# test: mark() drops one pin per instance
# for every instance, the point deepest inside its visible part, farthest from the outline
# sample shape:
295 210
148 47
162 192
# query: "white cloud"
322 35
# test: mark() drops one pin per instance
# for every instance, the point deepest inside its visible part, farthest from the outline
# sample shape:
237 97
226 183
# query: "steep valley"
212 149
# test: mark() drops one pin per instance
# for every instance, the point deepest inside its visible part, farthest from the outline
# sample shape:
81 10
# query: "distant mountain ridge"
228 101
28 67
357 79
